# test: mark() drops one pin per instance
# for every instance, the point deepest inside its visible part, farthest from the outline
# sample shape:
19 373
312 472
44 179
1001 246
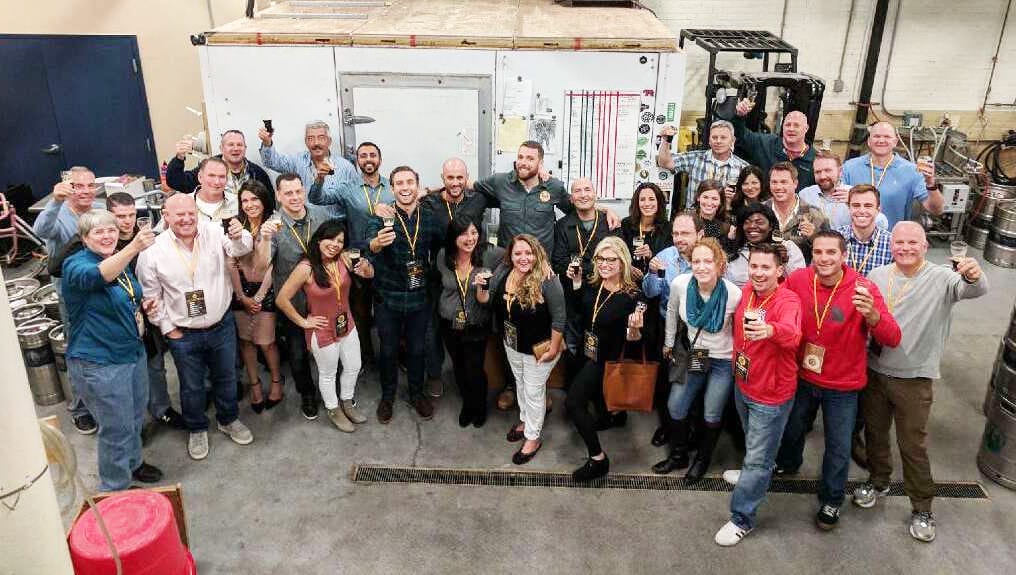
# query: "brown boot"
506 399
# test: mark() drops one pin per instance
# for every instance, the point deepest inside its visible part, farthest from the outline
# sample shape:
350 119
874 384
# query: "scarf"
707 315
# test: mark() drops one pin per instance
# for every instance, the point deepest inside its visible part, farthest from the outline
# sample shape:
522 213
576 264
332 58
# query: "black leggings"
585 388
467 351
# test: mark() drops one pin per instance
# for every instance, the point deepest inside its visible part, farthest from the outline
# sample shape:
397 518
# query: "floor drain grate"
497 478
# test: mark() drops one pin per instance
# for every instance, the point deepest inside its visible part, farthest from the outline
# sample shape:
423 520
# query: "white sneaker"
730 534
197 445
731 476
237 431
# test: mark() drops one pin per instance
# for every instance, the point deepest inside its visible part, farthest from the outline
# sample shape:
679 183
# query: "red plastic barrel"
144 532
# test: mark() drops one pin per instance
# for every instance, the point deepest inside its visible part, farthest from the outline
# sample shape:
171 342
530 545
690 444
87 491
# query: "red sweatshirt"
772 362
844 333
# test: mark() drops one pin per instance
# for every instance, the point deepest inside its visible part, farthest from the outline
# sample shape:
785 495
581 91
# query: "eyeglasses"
603 260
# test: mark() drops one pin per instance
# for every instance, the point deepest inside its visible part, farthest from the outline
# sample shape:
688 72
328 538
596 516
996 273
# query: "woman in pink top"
331 333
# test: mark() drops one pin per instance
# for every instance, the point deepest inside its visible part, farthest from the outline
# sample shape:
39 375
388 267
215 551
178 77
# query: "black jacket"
186 181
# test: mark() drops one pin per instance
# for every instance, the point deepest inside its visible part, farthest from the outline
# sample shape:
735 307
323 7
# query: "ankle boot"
678 457
704 456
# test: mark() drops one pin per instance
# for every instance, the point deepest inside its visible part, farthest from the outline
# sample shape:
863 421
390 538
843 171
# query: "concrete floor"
286 503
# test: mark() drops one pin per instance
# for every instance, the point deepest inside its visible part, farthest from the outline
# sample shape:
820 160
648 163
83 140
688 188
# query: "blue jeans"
116 395
391 327
158 393
75 405
213 350
839 411
717 383
763 429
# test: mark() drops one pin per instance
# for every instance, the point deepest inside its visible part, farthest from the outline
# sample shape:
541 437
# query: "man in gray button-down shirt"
317 158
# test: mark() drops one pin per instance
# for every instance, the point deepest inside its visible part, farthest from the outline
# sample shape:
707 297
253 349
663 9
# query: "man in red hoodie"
840 310
767 331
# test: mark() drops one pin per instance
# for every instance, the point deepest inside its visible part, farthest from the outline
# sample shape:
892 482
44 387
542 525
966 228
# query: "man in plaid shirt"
868 246
716 163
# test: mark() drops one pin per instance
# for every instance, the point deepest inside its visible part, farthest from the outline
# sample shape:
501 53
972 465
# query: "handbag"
628 384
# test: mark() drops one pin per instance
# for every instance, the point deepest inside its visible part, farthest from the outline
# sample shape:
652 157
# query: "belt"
215 325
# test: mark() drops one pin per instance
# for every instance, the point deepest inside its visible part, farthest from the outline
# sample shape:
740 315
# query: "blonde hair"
529 290
719 256
617 245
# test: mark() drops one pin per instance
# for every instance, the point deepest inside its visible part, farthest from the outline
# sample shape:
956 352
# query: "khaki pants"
907 402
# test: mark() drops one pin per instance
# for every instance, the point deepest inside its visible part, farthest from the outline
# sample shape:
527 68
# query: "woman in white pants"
331 333
528 306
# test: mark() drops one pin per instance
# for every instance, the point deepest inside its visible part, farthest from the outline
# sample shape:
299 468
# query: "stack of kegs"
992 223
47 296
20 290
997 456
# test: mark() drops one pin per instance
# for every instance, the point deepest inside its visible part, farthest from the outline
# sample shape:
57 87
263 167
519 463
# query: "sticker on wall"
644 129
671 108
647 117
661 119
664 176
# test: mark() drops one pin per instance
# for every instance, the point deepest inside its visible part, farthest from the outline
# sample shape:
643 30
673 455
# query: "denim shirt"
301 165
525 212
653 285
350 201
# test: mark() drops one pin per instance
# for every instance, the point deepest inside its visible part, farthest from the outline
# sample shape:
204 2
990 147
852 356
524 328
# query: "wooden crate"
173 492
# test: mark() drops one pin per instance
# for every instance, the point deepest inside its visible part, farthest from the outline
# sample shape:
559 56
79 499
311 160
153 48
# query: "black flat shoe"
465 418
146 473
661 436
523 458
516 433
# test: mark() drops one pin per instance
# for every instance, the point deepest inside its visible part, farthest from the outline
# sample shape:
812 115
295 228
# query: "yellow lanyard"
713 171
751 305
125 283
852 261
303 242
790 155
597 306
462 283
814 293
377 197
416 232
191 265
578 234
893 300
885 170
333 274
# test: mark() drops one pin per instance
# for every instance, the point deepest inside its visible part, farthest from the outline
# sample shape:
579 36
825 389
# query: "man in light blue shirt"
899 181
829 195
686 230
316 160
355 200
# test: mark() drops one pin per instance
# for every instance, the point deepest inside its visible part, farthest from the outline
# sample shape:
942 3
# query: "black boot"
678 458
592 469
704 456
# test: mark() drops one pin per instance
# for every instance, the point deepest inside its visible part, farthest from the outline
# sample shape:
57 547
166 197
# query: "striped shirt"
860 255
700 165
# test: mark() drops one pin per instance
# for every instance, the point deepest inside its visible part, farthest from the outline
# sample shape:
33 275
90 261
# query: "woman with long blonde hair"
528 306
609 315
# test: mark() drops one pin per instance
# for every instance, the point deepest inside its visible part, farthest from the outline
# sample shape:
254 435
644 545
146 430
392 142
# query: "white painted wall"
941 59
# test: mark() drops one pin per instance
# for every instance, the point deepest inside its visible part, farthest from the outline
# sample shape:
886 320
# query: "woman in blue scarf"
706 303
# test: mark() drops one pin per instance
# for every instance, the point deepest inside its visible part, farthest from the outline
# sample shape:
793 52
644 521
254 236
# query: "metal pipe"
838 83
889 60
994 59
859 131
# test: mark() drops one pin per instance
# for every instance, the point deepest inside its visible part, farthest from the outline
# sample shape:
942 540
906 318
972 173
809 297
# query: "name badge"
814 357
139 319
698 360
511 336
341 324
741 364
195 303
459 323
591 345
414 275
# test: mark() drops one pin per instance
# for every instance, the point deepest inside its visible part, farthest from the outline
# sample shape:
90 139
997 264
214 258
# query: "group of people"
739 297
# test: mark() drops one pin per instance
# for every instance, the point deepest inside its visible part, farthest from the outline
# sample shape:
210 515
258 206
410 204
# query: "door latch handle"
51 149
350 120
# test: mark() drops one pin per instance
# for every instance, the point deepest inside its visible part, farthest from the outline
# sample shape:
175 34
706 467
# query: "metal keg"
1007 351
58 343
1000 250
27 312
997 456
977 233
986 202
43 378
1003 380
1005 219
21 288
47 296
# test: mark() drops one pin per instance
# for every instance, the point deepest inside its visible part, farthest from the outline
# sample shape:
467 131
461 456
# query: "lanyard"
191 265
751 305
416 232
462 282
852 261
713 171
585 246
448 206
597 306
885 170
303 242
792 157
825 312
377 197
125 283
333 274
893 300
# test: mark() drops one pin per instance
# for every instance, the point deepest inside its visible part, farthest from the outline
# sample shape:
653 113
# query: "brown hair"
828 155
529 289
784 167
864 189
719 256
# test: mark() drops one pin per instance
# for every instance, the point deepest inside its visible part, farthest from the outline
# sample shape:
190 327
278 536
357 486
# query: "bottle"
162 176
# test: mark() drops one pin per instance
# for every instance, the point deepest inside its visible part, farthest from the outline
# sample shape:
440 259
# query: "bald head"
455 177
909 245
882 139
181 214
795 128
177 202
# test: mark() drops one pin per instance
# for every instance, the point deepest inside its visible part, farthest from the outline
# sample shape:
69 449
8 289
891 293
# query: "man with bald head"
899 181
920 295
765 150
186 271
454 197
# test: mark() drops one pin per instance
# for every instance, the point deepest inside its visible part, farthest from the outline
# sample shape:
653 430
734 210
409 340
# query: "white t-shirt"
719 344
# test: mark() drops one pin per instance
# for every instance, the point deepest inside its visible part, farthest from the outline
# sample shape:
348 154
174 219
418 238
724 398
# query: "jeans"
434 351
468 353
717 383
346 350
158 392
531 386
299 357
839 410
116 395
213 350
586 388
763 429
393 326
75 404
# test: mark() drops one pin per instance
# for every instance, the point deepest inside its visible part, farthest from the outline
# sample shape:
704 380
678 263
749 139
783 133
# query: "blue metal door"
93 90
